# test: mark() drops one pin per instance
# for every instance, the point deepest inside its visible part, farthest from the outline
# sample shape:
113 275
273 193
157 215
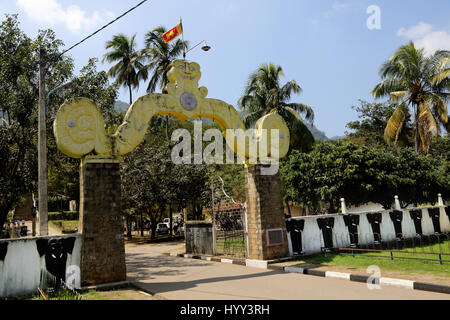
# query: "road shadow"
164 287
141 266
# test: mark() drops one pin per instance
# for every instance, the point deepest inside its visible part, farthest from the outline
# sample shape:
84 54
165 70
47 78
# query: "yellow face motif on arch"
182 99
181 69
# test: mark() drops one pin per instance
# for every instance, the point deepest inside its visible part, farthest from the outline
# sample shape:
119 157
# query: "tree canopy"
415 80
361 174
265 94
129 69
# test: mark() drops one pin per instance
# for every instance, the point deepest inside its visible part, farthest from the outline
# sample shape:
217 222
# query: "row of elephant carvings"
295 227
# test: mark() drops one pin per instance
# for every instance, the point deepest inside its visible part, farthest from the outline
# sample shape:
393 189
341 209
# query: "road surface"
176 278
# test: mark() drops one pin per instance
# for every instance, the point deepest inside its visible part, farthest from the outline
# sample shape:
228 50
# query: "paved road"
186 279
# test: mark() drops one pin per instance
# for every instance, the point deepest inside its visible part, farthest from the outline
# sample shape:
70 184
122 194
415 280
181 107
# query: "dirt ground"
120 294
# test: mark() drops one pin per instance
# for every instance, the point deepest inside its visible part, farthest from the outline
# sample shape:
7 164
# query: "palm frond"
439 77
304 109
387 86
395 125
301 138
398 95
428 127
439 107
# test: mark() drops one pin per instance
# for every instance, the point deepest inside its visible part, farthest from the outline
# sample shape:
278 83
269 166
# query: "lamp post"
205 48
42 144
64 86
42 149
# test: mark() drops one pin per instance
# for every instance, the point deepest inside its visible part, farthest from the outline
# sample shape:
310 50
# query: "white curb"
397 282
339 275
256 264
227 261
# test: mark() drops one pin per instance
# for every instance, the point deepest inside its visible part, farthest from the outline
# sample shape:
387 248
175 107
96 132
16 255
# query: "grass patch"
62 226
373 258
124 294
236 242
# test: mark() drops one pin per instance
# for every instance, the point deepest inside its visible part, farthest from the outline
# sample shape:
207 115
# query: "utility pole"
42 150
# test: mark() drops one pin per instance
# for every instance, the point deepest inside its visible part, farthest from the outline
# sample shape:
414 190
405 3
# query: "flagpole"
182 38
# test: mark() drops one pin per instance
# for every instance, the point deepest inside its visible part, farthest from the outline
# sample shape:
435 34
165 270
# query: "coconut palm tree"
264 94
414 80
129 68
160 54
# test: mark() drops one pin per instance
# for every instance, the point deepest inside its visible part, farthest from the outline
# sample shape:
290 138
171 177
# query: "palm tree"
264 94
412 79
129 69
160 54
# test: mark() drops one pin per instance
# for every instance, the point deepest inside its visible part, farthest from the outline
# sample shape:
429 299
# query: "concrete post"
440 200
343 206
267 235
103 247
397 204
42 151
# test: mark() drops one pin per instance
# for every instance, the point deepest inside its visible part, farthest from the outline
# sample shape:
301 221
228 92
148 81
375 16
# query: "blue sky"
324 45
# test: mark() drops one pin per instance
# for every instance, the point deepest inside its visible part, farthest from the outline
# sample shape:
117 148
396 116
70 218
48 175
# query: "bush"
361 174
66 215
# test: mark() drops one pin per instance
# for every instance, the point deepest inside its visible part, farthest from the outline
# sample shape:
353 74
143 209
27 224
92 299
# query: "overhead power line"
104 27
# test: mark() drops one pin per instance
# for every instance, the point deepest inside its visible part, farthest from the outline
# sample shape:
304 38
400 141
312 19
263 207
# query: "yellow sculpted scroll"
79 126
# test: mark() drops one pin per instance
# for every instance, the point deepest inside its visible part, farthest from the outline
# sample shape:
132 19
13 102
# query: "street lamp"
64 86
42 144
205 48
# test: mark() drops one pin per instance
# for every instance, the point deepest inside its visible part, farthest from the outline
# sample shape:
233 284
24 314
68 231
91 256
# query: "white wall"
367 207
312 238
20 271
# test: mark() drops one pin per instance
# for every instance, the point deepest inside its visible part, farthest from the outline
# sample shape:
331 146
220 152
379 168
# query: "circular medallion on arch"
188 101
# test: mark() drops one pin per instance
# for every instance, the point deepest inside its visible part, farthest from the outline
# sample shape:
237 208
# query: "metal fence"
52 288
228 219
230 243
433 248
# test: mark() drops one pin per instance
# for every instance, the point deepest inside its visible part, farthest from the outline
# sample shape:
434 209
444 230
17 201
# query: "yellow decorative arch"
79 128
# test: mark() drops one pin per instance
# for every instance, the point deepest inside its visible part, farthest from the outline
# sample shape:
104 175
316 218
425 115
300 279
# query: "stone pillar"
265 212
103 248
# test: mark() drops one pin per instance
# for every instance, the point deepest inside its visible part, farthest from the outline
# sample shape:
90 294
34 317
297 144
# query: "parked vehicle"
162 228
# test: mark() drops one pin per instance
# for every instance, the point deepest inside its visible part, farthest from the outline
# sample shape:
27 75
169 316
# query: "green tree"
19 92
414 80
129 68
362 174
152 182
440 147
373 119
90 83
161 55
264 94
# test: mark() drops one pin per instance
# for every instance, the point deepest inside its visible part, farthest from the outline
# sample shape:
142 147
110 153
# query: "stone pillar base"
267 235
103 247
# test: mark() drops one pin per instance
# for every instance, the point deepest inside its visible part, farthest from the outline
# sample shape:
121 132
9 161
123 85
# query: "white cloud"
52 13
335 8
339 6
425 37
415 31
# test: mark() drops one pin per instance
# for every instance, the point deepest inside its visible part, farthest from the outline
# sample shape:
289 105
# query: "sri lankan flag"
173 33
